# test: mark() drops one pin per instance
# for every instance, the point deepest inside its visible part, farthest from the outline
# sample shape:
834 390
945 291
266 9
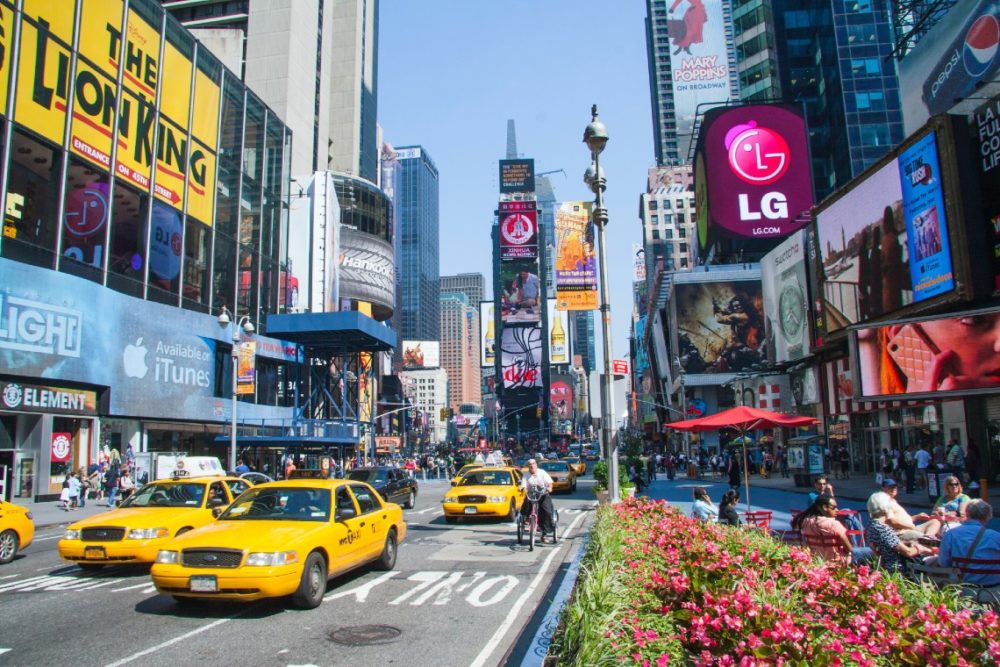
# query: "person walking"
923 460
956 460
111 484
733 470
84 486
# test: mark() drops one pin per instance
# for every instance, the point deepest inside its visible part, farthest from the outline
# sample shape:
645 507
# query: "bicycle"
534 497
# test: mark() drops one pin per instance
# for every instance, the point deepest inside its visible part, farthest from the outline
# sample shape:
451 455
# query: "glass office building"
144 190
419 264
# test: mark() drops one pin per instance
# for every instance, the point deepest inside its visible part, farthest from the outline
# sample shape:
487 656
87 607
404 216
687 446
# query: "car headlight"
262 558
496 499
167 557
447 500
28 515
147 533
71 535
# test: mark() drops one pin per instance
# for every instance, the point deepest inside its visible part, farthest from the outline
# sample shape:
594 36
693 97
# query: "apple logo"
134 359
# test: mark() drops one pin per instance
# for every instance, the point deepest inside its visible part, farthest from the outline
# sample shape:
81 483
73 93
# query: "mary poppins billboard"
754 163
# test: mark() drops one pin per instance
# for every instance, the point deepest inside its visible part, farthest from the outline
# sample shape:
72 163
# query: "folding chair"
759 519
978 566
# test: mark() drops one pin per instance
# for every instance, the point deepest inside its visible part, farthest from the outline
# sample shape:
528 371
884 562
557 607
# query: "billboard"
561 396
517 176
720 326
518 229
487 334
954 60
638 263
884 244
489 382
754 171
421 354
699 64
575 262
181 147
520 291
559 344
955 353
786 303
985 127
365 269
521 357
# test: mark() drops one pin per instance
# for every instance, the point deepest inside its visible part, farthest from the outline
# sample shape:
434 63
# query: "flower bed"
660 588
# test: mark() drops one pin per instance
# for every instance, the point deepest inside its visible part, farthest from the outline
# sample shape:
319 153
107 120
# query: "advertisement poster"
985 129
62 447
246 371
520 291
699 61
487 334
755 159
421 354
951 62
576 263
559 345
561 396
517 176
518 229
786 316
638 263
946 354
925 219
521 357
720 326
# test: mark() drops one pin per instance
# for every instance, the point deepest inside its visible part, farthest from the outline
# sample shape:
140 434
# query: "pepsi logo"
757 155
981 42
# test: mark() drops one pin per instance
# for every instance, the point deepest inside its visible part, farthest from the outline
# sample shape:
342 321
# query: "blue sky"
451 72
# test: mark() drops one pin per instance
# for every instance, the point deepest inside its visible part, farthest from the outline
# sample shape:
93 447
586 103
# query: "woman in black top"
727 508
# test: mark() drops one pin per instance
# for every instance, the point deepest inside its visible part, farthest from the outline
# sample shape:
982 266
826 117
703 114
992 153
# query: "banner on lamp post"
246 370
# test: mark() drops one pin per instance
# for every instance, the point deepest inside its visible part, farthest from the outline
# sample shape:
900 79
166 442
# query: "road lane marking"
5 650
361 592
171 642
521 601
8 576
43 539
129 588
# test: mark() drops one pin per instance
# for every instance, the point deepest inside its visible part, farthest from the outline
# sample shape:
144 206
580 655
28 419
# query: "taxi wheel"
8 546
411 501
573 488
387 560
313 583
512 513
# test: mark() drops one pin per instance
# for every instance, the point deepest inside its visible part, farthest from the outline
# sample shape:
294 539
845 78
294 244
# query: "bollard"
984 491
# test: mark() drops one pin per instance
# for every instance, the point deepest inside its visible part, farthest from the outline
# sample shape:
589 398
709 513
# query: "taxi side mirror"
216 511
344 513
454 483
216 502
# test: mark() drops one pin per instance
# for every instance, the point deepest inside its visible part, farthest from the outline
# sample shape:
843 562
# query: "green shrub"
601 476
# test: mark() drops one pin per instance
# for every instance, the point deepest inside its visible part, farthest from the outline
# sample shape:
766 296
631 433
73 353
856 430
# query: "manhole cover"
365 635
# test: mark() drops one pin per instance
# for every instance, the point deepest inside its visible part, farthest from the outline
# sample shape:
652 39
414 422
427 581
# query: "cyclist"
540 482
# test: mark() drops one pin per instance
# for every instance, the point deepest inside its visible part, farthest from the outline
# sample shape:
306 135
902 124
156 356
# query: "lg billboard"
752 170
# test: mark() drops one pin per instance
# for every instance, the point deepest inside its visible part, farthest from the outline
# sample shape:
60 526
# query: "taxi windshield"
168 494
280 504
487 478
554 466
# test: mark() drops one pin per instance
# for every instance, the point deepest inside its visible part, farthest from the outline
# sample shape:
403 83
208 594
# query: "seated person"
951 505
819 523
822 487
894 551
727 508
703 508
973 539
900 520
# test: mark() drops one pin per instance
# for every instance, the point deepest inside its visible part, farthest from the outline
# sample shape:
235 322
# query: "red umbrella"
742 418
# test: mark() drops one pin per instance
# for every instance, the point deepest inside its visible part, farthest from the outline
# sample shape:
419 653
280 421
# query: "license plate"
97 553
471 510
205 584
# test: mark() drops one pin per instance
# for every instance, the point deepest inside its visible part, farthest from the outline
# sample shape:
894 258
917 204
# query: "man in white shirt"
538 481
900 520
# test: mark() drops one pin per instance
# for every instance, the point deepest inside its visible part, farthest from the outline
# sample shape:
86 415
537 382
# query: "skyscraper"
314 61
418 263
460 349
472 285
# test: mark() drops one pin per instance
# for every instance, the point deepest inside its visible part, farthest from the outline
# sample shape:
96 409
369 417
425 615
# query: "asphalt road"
462 594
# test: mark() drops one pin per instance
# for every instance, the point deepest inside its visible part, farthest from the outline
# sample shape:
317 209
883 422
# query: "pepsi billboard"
754 171
951 62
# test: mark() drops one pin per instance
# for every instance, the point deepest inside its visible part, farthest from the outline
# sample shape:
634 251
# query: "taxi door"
374 518
346 527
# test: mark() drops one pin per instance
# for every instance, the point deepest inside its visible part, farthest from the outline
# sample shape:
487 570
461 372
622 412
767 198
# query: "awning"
332 334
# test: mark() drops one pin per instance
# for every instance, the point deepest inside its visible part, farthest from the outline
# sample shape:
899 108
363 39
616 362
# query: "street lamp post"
595 135
244 323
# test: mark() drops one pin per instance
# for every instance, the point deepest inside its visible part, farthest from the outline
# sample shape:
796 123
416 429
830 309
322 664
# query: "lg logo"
759 156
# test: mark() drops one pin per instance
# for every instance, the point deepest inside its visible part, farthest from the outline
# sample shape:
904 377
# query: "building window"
85 221
30 226
656 234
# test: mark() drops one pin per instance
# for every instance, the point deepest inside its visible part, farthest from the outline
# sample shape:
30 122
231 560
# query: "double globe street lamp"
244 324
595 135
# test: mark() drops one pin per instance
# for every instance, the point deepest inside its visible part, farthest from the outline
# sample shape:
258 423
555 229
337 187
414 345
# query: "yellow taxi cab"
282 538
17 529
563 477
486 491
457 479
158 511
578 465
